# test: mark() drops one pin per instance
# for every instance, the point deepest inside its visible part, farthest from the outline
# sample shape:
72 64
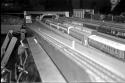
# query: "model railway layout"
59 43
105 37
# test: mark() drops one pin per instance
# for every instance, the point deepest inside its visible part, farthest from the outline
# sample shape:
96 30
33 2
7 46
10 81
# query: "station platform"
47 69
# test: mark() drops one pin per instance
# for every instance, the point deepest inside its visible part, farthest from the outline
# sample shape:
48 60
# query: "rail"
98 70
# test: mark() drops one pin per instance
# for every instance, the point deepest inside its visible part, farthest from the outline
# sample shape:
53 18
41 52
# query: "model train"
90 37
114 31
117 30
114 48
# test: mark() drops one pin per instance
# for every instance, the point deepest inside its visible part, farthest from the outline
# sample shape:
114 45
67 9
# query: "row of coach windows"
105 48
111 50
94 43
121 34
118 33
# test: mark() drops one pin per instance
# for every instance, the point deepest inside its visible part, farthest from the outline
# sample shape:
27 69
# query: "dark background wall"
58 5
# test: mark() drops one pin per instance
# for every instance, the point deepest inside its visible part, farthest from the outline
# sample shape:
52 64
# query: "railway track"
96 70
99 71
82 33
